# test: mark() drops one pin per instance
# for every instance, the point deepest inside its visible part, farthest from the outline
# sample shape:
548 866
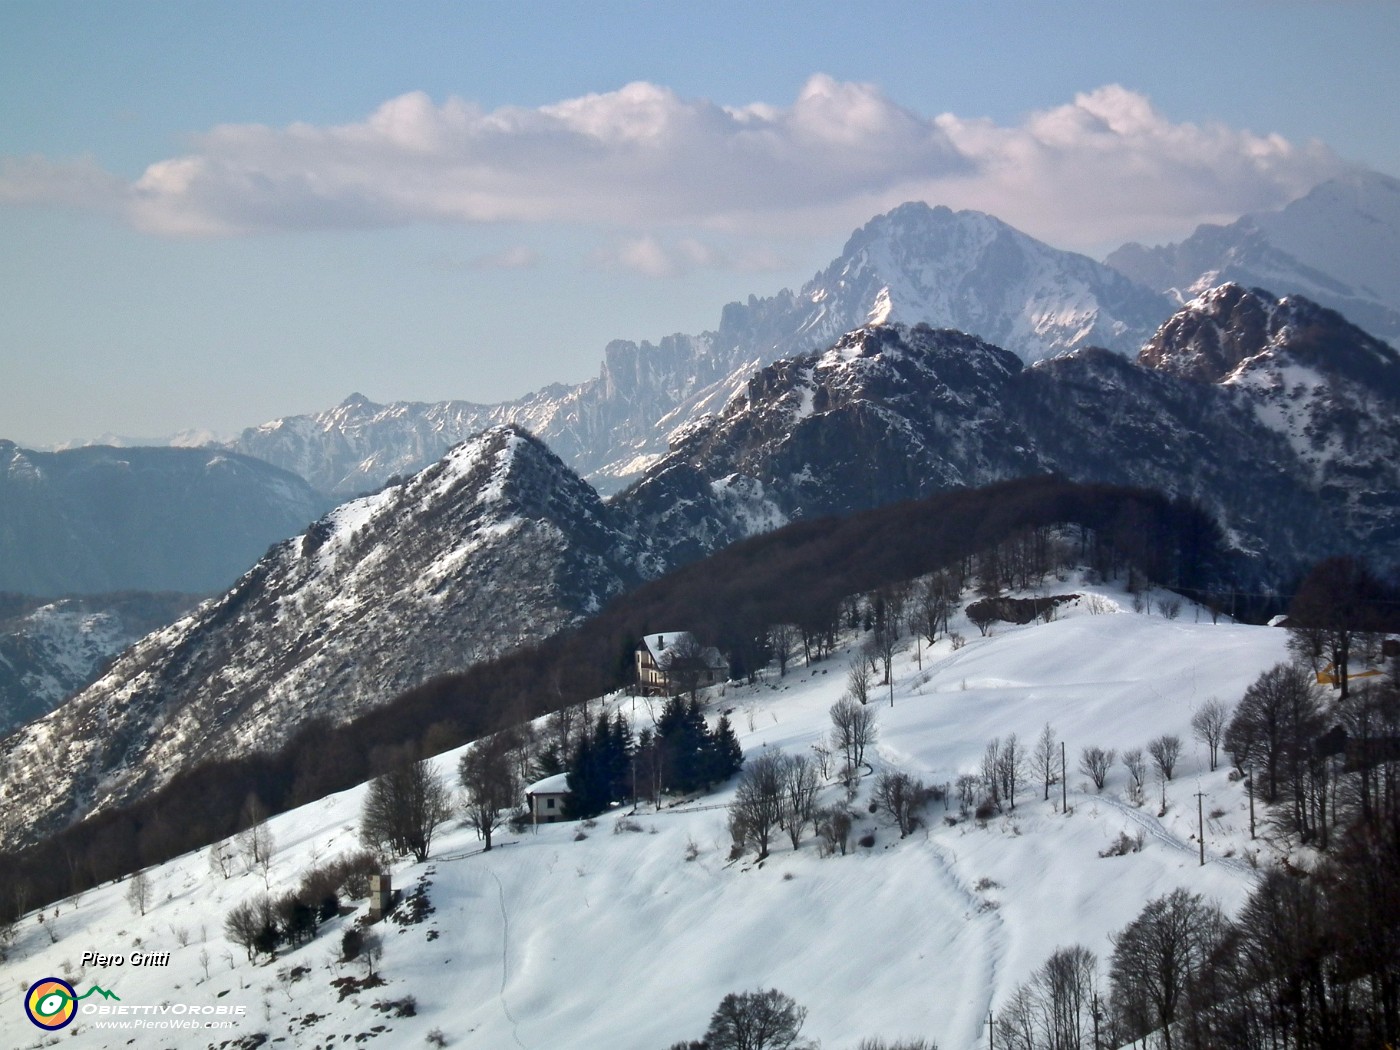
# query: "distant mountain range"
96 520
1275 415
963 270
1339 246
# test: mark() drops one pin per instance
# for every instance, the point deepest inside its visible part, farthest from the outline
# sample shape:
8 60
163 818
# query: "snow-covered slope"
1339 245
495 544
962 270
573 941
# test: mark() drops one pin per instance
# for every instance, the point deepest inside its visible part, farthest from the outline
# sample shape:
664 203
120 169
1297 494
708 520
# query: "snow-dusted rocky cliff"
962 270
1337 246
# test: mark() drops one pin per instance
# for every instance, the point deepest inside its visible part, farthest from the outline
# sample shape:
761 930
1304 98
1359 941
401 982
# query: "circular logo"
51 1003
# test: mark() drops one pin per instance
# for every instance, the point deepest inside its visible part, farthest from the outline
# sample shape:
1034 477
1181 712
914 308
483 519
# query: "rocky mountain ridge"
494 545
963 270
1337 246
1276 416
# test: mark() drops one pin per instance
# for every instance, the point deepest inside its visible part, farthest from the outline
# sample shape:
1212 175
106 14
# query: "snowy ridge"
1277 417
916 264
1339 246
494 544
1330 390
528 945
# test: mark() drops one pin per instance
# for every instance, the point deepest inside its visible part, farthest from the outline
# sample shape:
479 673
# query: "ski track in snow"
988 941
1158 832
505 961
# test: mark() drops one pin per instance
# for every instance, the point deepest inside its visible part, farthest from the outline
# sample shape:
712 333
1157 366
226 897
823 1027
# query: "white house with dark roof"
658 655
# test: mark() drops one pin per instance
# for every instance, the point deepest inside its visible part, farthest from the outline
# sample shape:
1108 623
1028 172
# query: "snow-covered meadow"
618 938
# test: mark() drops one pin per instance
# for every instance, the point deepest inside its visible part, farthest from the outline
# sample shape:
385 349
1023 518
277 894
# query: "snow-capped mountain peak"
495 544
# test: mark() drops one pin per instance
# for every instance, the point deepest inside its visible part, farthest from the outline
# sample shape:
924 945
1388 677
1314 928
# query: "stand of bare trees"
853 729
404 807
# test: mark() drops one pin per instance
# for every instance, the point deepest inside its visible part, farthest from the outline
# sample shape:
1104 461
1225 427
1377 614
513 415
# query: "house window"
549 803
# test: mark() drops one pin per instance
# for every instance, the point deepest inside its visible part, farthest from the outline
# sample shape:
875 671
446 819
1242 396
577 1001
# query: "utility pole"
990 1030
1064 781
1201 827
1251 802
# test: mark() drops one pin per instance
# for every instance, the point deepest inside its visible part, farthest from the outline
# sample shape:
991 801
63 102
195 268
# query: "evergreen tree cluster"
688 755
600 770
682 754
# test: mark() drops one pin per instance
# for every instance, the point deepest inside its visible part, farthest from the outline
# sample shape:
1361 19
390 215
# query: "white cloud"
1108 166
1105 167
650 256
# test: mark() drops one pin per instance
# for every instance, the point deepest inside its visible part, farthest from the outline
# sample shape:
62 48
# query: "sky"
216 214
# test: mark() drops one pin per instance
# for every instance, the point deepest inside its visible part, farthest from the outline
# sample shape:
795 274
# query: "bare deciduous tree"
1055 1010
991 771
254 843
221 859
1164 751
902 796
783 640
852 731
492 784
967 791
1045 759
858 681
799 800
834 827
1208 723
1095 762
1157 959
1137 772
404 807
1010 769
138 892
756 1021
758 801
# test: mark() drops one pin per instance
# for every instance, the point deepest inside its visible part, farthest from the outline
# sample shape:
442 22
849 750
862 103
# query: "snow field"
617 940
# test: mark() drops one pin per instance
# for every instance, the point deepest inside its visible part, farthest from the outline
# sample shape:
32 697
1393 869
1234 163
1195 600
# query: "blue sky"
215 214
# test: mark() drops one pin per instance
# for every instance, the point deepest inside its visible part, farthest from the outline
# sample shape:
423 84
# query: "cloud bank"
1105 167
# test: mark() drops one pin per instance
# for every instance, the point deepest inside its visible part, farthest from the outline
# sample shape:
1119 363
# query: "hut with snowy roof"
546 798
